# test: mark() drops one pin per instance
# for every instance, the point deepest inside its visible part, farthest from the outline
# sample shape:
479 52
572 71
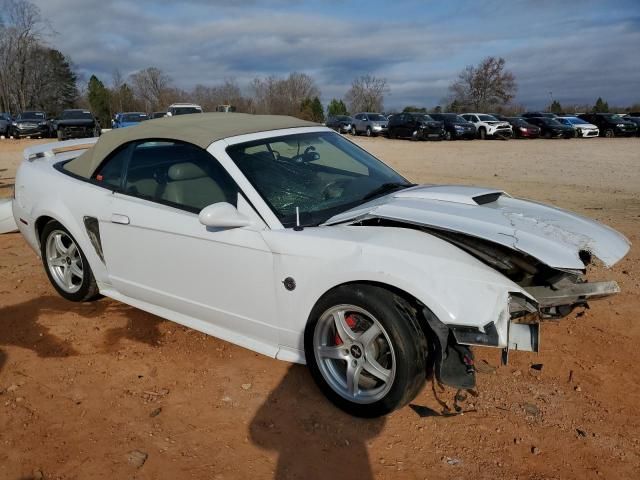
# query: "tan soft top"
201 129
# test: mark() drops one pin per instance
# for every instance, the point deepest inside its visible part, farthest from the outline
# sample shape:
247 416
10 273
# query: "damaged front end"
551 294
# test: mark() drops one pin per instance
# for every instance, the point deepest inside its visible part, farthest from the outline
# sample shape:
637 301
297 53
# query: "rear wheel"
66 265
365 350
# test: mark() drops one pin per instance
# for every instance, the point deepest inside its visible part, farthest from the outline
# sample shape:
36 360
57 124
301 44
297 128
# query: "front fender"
455 286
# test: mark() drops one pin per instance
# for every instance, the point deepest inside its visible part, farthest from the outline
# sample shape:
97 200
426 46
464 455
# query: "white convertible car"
284 237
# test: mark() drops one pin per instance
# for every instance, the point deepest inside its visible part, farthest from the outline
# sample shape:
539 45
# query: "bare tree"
484 87
227 93
20 36
153 88
282 96
367 94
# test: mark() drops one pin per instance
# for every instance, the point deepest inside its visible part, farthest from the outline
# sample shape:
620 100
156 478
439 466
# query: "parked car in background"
416 126
371 281
488 126
582 128
371 124
611 124
340 123
523 129
128 119
77 123
183 109
5 124
455 126
33 123
157 115
551 128
538 115
636 120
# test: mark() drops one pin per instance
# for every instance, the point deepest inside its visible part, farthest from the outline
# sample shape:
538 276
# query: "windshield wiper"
386 188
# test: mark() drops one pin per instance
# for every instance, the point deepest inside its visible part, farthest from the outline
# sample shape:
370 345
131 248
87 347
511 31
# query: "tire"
392 133
547 135
60 253
369 132
354 132
448 136
415 136
60 135
609 133
577 133
396 349
482 134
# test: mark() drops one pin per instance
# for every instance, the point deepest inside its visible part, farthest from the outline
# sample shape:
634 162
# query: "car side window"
177 174
110 173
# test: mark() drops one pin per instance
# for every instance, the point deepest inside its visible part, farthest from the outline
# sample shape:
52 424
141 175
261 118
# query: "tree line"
34 75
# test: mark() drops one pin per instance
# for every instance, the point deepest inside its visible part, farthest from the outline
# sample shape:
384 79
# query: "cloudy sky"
576 50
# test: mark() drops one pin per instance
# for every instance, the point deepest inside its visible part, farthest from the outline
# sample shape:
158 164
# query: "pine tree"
98 96
317 111
336 107
555 107
601 106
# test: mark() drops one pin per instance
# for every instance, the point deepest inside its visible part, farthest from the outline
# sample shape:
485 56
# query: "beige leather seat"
191 186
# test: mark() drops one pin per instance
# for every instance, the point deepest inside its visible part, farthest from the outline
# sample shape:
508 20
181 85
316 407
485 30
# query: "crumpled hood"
553 236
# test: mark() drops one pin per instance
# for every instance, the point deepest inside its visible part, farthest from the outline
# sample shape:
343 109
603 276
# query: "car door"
219 280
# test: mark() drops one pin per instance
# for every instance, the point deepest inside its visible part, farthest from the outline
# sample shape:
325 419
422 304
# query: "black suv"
455 126
611 124
30 124
551 128
77 124
416 126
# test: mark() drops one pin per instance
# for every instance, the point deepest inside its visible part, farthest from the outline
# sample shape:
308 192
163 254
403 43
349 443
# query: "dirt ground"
92 390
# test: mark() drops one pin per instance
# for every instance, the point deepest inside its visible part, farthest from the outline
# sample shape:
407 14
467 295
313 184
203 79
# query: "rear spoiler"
50 150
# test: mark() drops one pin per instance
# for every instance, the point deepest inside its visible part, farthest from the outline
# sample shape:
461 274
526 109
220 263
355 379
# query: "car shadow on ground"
313 439
20 326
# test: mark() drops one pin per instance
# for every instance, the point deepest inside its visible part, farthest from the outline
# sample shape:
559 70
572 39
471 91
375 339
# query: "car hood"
553 236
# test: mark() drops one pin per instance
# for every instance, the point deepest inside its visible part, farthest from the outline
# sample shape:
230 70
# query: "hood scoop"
452 193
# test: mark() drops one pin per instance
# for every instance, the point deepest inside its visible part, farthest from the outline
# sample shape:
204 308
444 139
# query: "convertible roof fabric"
201 129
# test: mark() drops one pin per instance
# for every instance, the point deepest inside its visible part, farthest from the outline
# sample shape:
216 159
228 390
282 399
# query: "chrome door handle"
118 218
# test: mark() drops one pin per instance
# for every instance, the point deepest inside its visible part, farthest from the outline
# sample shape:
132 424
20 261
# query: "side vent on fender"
93 231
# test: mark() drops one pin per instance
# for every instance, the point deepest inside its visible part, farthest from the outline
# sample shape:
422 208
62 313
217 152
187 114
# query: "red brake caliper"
351 321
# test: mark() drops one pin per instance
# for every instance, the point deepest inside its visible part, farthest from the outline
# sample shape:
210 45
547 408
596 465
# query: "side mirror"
222 215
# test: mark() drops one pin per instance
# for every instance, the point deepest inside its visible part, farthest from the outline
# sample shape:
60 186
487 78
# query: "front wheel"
365 350
482 133
609 133
66 265
369 132
448 136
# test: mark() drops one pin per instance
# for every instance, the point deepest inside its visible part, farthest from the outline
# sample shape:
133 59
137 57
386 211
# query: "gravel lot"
101 390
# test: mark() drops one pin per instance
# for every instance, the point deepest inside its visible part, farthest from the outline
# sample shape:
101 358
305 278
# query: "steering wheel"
309 155
334 189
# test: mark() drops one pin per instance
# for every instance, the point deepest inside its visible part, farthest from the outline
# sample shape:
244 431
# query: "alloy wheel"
354 354
64 261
